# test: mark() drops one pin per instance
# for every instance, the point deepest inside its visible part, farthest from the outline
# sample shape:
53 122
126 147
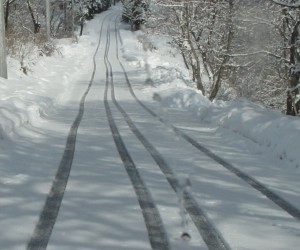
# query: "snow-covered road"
131 155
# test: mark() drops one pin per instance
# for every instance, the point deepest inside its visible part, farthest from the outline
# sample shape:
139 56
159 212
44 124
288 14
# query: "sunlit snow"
100 209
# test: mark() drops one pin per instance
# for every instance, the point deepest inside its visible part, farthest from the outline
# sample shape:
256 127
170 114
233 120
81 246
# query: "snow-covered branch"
287 3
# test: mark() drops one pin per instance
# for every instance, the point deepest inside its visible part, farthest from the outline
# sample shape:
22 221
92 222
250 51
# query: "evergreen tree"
92 7
135 13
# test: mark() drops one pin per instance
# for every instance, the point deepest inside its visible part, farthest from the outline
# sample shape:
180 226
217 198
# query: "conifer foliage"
135 13
93 7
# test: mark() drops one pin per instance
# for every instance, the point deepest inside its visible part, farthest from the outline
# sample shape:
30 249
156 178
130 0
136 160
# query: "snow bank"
21 98
174 89
25 99
271 129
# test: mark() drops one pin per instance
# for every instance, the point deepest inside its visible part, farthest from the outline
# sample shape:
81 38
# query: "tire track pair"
209 233
156 232
48 216
275 198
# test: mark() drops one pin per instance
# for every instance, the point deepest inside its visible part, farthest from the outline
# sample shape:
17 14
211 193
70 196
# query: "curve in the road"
156 232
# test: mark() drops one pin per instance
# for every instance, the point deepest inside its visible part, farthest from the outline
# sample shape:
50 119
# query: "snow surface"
100 209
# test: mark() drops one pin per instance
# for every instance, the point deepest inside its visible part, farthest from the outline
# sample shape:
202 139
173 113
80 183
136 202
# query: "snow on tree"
203 32
26 25
231 47
287 25
135 13
236 48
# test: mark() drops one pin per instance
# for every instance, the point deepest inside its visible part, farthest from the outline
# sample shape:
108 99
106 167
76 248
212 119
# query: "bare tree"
203 32
291 32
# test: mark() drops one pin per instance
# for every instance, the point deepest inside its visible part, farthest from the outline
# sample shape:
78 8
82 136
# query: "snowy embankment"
274 132
27 98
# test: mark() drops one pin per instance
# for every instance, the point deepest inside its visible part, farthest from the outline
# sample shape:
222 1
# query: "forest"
26 25
232 48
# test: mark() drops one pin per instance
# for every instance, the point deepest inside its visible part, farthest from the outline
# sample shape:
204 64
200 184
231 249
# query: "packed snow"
33 130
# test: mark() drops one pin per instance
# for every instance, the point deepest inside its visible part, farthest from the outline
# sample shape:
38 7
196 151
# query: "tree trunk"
6 15
36 25
184 60
48 22
293 107
3 63
81 29
217 82
197 67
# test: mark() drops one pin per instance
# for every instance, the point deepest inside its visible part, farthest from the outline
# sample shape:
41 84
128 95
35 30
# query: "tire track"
156 232
48 216
278 200
209 233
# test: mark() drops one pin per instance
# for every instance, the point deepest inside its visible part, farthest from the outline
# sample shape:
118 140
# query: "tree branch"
287 3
